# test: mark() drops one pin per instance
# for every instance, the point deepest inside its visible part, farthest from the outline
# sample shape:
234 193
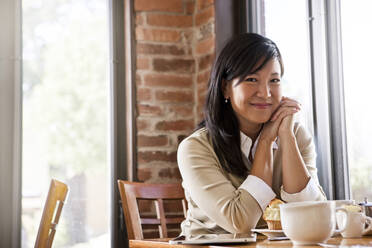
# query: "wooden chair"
52 211
130 192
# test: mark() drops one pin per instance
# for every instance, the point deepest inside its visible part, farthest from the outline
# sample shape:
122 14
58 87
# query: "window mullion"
320 94
255 18
10 123
336 100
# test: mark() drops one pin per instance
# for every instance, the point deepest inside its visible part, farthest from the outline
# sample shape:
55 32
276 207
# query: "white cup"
356 226
310 222
340 203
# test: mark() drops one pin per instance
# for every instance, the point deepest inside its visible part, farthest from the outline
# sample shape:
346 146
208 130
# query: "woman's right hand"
270 129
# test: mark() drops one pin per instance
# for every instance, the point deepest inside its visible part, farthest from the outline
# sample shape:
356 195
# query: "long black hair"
243 55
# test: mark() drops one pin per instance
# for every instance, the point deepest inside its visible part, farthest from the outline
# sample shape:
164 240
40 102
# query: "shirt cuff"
309 193
259 190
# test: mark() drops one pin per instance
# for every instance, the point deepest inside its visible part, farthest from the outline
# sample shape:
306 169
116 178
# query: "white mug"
356 226
310 222
340 203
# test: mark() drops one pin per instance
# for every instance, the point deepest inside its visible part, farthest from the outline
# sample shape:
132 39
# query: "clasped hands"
281 122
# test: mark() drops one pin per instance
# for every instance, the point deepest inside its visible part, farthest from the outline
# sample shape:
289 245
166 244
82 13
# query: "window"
356 40
327 42
65 118
294 50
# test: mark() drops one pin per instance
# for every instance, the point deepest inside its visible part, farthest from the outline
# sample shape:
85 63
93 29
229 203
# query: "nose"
264 90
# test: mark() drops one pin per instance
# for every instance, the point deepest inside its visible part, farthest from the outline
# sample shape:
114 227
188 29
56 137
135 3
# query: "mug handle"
346 219
367 220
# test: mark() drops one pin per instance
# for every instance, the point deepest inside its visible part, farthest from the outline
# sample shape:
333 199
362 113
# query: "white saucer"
270 233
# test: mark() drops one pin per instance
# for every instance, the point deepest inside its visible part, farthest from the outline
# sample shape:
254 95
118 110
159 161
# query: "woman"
248 150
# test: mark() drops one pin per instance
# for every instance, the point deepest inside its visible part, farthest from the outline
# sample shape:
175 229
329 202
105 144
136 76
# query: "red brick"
200 116
180 21
188 37
205 61
158 5
142 124
202 89
204 16
162 80
145 109
202 4
179 125
149 156
205 31
143 94
174 65
190 8
138 79
201 98
145 140
206 46
143 63
170 173
159 49
162 35
144 174
174 96
203 77
139 19
182 110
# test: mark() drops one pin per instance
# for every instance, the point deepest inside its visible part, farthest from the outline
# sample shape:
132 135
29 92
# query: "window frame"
328 96
336 100
122 117
327 85
10 122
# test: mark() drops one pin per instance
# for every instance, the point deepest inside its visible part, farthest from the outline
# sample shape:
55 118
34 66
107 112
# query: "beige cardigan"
215 202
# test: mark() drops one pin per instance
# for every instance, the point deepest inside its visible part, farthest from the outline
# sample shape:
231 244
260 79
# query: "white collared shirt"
263 192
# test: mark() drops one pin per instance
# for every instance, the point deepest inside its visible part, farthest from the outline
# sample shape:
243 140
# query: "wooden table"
261 242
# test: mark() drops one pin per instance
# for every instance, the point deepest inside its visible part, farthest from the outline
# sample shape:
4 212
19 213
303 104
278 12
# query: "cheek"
276 94
238 96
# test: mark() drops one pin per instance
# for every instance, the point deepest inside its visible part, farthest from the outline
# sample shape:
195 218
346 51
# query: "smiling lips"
261 105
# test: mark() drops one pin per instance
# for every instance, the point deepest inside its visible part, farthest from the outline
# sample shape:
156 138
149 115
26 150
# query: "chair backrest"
130 192
52 211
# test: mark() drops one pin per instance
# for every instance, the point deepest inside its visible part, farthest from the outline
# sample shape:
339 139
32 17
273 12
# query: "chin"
261 119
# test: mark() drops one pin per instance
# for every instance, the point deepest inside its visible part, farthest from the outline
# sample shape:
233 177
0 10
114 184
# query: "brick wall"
174 53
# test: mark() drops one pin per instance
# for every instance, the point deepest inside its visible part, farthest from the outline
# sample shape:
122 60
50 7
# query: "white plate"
270 233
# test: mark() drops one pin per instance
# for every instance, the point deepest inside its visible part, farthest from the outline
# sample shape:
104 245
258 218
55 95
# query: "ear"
226 88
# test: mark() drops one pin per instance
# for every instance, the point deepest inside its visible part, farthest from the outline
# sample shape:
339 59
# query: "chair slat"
153 221
52 210
130 192
163 225
150 221
173 220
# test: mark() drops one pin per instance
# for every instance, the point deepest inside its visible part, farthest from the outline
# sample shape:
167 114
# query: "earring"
226 100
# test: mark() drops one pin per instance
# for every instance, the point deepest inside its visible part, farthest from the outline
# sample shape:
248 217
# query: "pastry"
352 208
272 215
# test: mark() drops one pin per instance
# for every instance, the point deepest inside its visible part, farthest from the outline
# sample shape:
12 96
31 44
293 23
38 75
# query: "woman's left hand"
288 108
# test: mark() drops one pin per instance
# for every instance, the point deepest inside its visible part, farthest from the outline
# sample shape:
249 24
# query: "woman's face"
256 98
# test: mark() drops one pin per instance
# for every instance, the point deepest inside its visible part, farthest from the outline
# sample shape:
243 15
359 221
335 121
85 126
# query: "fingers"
287 105
284 111
284 99
287 112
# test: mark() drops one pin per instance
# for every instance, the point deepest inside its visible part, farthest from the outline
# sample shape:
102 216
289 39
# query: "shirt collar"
246 143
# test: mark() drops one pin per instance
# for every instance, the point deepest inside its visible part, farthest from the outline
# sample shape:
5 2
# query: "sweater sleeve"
235 210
